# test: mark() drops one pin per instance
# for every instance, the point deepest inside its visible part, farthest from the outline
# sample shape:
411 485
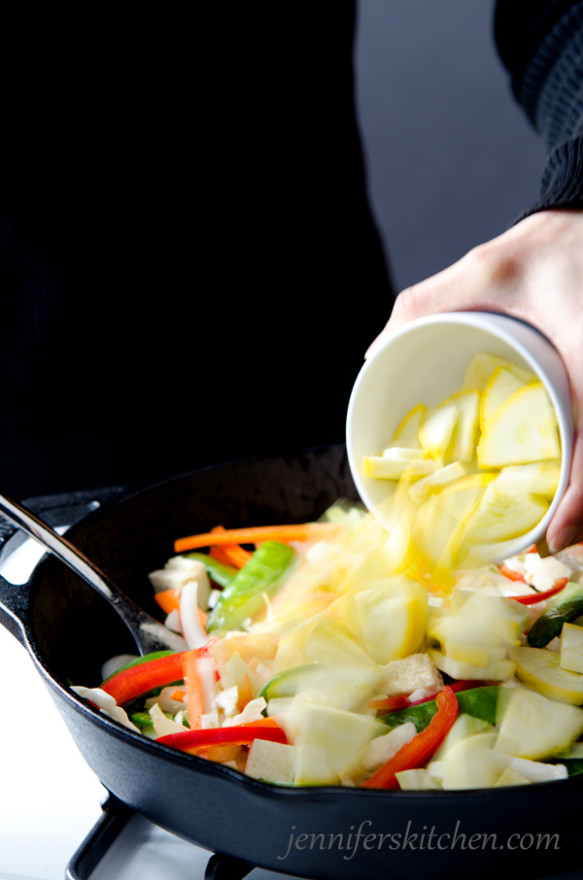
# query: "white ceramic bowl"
425 362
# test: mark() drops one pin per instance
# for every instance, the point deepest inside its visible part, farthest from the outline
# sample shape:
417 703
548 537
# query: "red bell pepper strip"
238 734
533 598
133 681
422 747
511 574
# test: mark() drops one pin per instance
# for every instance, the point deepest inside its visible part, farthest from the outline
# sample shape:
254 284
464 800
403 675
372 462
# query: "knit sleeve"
541 45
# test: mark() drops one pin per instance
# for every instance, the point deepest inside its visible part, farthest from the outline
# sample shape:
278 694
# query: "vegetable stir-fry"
314 660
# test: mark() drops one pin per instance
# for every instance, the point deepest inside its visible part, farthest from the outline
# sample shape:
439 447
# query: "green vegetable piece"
244 596
481 702
574 766
287 682
567 607
218 572
143 720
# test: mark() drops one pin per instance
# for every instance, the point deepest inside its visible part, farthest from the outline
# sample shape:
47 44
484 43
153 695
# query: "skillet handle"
58 511
114 817
14 610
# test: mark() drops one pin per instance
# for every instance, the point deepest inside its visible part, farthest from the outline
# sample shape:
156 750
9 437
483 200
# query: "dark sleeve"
541 45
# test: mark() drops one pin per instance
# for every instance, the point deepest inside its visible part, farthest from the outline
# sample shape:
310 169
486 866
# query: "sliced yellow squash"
534 726
523 429
501 515
540 669
407 433
501 384
571 649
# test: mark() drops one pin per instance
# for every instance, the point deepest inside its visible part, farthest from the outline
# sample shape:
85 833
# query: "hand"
534 271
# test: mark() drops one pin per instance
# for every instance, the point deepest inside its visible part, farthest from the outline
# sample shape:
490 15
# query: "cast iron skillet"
345 834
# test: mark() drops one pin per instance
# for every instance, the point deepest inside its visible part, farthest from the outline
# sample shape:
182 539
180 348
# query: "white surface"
50 798
425 362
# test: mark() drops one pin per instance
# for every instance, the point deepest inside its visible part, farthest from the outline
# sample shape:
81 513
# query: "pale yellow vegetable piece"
463 447
461 497
407 433
479 619
385 468
432 530
475 655
463 727
273 761
312 767
404 453
523 771
417 779
420 490
483 364
398 514
511 776
473 763
541 477
500 515
540 669
388 619
534 726
331 643
501 384
497 671
571 648
342 735
436 431
522 430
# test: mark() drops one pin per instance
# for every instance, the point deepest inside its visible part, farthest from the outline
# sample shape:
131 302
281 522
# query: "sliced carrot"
246 694
194 688
231 554
258 534
178 694
168 600
203 617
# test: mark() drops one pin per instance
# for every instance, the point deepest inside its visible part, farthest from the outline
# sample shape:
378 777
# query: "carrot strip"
194 688
231 554
246 694
257 534
168 600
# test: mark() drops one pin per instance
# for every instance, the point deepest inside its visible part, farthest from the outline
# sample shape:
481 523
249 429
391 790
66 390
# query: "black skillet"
345 834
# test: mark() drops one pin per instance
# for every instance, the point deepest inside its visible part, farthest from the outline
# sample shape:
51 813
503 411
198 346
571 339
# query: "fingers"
483 279
566 527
